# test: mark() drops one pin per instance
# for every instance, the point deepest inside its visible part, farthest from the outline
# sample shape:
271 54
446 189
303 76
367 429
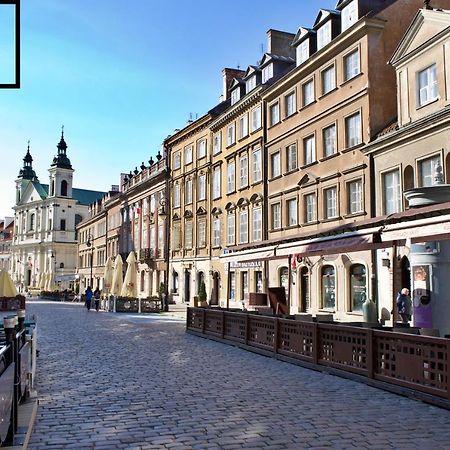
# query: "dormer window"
235 95
302 52
267 73
324 35
250 84
427 85
349 15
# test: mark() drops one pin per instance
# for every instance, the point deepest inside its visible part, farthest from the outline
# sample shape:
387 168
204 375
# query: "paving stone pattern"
108 382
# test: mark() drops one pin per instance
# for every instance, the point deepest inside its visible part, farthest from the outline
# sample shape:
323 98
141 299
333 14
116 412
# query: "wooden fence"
420 363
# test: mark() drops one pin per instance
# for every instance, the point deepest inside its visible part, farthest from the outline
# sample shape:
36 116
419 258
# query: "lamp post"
90 244
163 213
53 256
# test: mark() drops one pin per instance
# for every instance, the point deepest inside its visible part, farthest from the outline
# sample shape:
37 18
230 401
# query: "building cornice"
188 131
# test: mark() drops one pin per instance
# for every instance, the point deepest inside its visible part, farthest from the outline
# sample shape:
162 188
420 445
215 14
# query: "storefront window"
232 281
259 281
328 287
358 286
284 278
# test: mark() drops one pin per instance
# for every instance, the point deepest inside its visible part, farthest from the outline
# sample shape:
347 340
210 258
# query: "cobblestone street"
110 381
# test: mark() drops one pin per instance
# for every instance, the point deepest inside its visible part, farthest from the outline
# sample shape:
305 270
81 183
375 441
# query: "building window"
284 279
358 287
324 35
391 192
188 192
291 157
309 149
256 166
355 197
349 15
243 126
177 160
176 242
256 119
231 229
329 140
353 130
308 93
330 198
216 183
328 79
257 224
188 155
176 195
267 73
290 104
275 164
244 284
305 300
235 95
427 85
328 287
188 234
63 225
310 208
231 134
201 231
64 188
243 167
276 215
216 232
258 281
232 281
201 194
302 52
351 65
31 227
292 213
274 114
231 169
427 170
201 149
250 84
217 142
243 226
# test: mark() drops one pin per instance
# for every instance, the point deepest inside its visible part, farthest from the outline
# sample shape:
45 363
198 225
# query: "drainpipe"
373 252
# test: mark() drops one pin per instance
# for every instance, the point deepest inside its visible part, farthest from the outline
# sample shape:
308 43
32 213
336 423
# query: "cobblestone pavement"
108 381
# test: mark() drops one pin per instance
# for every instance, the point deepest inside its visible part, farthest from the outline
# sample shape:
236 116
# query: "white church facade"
44 247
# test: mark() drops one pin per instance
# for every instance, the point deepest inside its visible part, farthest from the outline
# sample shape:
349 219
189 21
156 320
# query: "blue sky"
122 75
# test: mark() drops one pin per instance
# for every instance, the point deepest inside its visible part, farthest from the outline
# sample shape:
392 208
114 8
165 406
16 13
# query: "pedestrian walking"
89 294
404 305
97 298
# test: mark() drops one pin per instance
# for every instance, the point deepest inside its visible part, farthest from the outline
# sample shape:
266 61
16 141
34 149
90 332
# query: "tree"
202 292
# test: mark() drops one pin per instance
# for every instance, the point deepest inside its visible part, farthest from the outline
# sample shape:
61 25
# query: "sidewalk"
178 310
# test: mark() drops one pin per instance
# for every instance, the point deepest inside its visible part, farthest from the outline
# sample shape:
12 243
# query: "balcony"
146 255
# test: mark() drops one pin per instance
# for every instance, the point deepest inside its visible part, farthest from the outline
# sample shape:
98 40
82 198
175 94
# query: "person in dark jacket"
97 298
404 305
89 294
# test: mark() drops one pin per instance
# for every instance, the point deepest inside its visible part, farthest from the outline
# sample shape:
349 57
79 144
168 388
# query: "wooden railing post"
275 336
247 327
223 324
315 340
203 320
369 352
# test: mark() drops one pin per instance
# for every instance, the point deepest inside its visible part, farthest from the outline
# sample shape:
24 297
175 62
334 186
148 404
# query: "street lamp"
164 213
90 244
53 256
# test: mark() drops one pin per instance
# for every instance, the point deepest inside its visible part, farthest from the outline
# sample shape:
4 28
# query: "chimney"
227 75
279 43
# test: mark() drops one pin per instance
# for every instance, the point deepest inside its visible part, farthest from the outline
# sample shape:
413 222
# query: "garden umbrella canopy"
108 276
129 288
117 280
7 288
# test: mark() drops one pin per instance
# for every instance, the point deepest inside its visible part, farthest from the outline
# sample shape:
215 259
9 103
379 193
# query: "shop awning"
260 254
417 231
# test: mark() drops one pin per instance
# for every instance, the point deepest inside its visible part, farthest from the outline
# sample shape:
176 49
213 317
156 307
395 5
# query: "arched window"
305 302
142 280
175 282
358 286
64 188
61 265
284 278
328 287
200 280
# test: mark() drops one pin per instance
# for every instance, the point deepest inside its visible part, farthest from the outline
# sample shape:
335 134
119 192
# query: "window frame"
308 93
331 68
275 216
354 70
309 152
348 138
431 88
290 104
276 155
231 176
243 226
274 113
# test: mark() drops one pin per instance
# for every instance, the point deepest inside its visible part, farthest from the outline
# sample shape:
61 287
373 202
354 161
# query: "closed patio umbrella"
129 288
108 276
117 279
7 288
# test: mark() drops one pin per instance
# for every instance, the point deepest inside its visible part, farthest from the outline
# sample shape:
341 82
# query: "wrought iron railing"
419 363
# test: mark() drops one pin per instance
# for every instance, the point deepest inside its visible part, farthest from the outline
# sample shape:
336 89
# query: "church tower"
61 172
25 174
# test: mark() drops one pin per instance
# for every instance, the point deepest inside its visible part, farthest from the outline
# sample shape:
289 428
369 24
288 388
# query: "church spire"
27 172
61 160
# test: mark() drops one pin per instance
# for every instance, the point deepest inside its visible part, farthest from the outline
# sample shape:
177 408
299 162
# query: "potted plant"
202 294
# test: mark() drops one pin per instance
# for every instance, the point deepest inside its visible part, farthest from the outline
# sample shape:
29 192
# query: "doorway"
187 286
215 289
405 268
